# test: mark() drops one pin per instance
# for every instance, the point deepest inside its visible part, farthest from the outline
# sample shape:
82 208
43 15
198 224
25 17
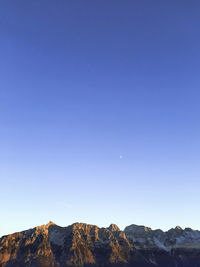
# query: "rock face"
88 245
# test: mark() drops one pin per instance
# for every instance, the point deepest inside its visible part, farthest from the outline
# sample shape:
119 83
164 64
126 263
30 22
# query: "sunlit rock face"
88 245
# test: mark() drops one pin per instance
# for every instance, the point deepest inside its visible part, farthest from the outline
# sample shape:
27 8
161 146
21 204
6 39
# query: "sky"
99 113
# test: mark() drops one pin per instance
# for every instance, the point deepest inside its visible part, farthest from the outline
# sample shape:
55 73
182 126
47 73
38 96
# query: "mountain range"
88 245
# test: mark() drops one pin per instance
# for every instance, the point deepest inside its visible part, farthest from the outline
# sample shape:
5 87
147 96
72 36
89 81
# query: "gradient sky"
99 113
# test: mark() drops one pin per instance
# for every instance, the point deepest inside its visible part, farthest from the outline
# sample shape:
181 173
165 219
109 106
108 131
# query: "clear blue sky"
83 82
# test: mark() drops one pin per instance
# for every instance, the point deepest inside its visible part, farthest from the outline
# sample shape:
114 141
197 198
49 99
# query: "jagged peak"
133 228
80 225
44 227
137 228
187 229
113 227
50 223
179 228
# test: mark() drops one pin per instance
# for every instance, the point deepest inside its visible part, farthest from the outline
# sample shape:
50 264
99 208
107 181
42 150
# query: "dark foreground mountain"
88 245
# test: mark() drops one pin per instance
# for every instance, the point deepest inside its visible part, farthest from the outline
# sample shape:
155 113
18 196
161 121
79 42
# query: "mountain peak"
50 223
179 228
113 227
137 228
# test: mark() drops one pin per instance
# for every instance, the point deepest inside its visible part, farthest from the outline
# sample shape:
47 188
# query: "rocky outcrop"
88 245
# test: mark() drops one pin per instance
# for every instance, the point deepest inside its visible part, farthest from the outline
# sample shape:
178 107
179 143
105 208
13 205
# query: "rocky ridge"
82 244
